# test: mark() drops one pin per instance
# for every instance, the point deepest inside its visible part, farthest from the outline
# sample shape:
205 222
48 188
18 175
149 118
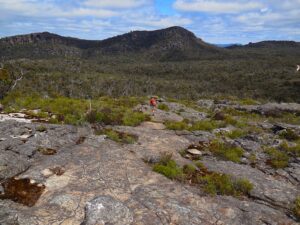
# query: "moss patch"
22 191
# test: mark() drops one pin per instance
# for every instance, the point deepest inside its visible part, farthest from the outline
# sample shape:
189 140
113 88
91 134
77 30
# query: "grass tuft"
225 151
163 107
277 159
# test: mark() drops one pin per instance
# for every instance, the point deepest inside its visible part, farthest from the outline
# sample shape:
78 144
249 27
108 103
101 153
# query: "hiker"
153 104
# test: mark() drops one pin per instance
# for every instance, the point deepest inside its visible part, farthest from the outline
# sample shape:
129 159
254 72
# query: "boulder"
219 116
1 107
106 210
194 151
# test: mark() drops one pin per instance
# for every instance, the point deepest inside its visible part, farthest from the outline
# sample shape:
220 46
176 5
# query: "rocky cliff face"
46 38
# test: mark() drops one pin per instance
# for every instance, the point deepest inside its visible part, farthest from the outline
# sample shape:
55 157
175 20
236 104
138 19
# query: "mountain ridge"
173 42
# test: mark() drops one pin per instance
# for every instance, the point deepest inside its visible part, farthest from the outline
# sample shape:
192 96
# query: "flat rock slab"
129 189
266 187
107 210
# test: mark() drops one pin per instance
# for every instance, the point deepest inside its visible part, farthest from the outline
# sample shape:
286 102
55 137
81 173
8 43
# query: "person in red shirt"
153 104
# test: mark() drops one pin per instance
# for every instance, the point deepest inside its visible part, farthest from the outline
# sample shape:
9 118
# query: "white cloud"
116 3
159 22
214 6
48 8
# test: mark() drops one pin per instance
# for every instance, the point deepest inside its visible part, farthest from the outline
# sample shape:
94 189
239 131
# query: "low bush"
293 150
252 158
248 101
41 128
243 186
223 184
171 125
168 167
106 110
163 107
189 170
277 159
212 183
289 135
225 151
206 125
296 208
236 134
119 136
133 118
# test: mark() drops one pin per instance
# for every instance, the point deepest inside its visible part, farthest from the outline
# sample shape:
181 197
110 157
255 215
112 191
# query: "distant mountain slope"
268 44
172 43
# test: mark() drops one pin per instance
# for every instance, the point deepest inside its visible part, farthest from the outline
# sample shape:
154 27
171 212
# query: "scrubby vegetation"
168 167
296 208
289 135
206 125
293 150
171 125
163 107
117 136
278 159
270 76
237 133
223 184
225 151
106 110
211 182
41 128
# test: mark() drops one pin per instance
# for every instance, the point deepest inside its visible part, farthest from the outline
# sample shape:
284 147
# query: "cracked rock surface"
99 181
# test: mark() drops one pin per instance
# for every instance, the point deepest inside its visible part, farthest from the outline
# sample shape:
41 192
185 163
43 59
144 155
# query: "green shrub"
165 158
223 184
41 128
296 208
93 116
206 125
248 101
200 165
169 169
171 125
293 150
236 134
107 110
230 120
212 183
133 118
289 135
277 159
243 186
119 136
189 169
217 184
253 158
163 107
226 152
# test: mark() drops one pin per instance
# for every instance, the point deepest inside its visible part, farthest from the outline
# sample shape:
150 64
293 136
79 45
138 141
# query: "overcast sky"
215 21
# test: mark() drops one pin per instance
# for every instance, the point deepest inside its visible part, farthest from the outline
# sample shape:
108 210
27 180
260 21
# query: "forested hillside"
172 62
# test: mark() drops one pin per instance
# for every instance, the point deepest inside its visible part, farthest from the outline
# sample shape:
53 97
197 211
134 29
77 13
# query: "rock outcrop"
90 179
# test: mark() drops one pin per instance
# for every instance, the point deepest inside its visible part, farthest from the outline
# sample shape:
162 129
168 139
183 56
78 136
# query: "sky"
214 21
